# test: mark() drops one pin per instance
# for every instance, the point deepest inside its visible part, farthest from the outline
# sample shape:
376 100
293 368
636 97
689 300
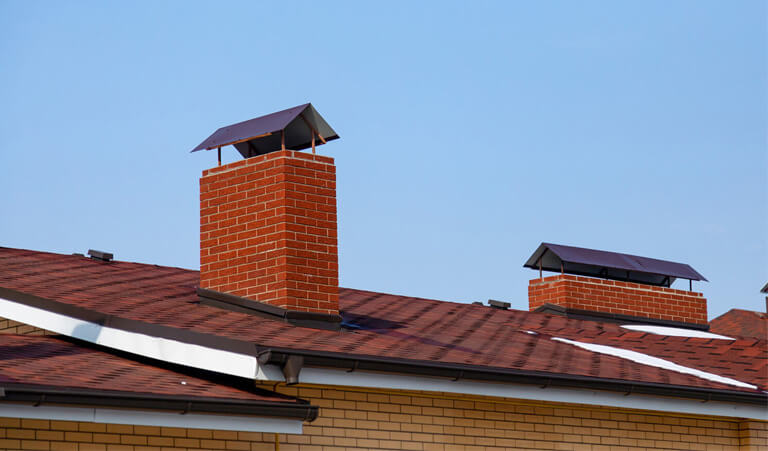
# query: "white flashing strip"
675 331
646 359
164 349
368 379
150 418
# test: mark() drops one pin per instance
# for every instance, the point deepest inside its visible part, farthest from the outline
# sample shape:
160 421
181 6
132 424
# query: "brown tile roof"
56 363
391 326
741 323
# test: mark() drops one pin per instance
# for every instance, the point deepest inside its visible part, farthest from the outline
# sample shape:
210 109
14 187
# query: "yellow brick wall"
377 419
753 435
8 326
16 434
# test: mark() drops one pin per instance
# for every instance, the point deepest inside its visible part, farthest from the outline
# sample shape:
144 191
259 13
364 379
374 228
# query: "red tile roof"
391 326
741 323
35 361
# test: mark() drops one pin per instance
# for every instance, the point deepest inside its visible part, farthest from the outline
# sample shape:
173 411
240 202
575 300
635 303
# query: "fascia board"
369 379
153 418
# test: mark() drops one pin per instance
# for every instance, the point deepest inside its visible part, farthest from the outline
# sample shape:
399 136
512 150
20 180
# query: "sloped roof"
400 328
58 367
741 323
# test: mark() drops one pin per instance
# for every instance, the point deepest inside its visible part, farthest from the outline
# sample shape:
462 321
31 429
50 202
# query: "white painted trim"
152 418
164 349
369 379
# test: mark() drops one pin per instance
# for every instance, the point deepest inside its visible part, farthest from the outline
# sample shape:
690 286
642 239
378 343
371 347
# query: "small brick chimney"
268 222
268 231
616 286
618 298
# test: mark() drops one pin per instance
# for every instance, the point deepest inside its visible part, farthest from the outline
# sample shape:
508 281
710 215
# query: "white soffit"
368 379
153 418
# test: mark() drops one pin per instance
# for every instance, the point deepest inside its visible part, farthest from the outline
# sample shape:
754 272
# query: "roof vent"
296 128
499 304
99 255
609 265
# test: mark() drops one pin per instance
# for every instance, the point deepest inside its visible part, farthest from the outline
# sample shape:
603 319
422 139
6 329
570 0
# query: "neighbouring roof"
66 371
384 327
609 265
260 135
741 323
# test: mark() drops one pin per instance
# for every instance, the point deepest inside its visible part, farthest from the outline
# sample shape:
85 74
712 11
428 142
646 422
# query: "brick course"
626 298
8 326
268 231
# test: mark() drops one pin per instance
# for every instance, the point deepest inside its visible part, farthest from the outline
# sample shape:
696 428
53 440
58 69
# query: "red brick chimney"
268 222
617 286
268 231
618 298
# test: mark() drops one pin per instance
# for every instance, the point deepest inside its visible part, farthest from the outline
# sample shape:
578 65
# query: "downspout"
291 365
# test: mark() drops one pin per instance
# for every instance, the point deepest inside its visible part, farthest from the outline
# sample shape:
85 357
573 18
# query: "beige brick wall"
374 419
8 326
377 419
753 435
16 434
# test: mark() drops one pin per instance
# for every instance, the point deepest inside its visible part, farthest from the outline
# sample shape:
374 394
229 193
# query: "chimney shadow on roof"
367 322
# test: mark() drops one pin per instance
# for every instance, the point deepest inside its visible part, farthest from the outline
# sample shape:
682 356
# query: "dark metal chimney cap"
292 129
609 265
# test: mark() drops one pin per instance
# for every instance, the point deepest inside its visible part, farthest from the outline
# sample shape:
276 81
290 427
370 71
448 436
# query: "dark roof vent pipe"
499 304
99 255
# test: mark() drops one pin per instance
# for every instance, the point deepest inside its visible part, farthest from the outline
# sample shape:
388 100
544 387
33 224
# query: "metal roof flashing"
609 265
297 128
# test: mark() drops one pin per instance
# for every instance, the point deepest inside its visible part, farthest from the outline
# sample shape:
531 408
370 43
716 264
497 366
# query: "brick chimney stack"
268 231
614 286
615 297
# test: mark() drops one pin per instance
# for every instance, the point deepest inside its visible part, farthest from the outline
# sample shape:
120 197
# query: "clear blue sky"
471 131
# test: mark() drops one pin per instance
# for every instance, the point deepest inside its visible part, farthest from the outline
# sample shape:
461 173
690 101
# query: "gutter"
457 372
46 395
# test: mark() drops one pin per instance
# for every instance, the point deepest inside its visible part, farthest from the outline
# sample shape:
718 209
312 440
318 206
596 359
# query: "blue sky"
471 131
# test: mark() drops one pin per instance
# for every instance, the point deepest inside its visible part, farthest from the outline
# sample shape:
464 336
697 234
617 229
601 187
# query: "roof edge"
542 379
39 395
386 364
